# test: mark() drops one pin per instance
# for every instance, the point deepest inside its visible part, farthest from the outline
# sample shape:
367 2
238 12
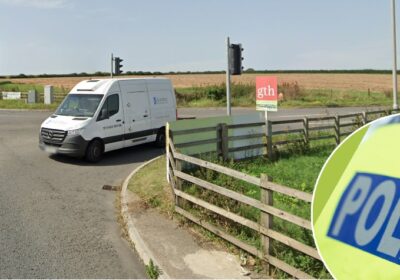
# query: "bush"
291 91
216 92
388 93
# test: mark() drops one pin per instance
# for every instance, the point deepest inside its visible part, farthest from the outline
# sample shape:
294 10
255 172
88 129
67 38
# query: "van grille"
53 136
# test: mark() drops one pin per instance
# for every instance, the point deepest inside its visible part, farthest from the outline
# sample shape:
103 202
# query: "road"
55 219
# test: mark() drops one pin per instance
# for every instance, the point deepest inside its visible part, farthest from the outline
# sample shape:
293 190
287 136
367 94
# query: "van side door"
111 121
138 118
137 112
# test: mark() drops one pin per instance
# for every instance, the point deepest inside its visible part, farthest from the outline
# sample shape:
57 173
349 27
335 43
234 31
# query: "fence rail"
268 212
306 129
283 132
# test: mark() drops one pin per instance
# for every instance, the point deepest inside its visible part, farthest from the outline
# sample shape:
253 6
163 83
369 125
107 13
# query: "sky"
67 36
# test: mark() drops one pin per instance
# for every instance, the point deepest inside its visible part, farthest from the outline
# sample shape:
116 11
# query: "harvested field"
362 82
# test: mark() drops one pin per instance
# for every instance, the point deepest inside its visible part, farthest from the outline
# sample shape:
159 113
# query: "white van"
102 115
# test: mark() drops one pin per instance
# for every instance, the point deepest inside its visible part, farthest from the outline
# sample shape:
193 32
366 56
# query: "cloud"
40 4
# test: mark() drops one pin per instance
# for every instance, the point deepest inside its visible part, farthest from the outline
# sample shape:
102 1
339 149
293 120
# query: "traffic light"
235 59
118 65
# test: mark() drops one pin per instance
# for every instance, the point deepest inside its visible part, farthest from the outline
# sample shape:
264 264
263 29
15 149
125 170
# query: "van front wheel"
160 139
94 151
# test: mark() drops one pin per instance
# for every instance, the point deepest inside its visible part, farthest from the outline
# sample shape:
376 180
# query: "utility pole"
228 79
394 72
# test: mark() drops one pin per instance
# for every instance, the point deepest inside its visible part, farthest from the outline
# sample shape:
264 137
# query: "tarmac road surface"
55 219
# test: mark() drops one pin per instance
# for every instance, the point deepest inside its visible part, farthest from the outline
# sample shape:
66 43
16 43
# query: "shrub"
291 91
388 93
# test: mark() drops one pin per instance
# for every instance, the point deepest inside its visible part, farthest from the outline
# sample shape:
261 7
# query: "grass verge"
150 184
21 104
10 86
298 171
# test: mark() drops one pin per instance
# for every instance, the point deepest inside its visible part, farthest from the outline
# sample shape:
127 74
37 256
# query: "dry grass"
362 82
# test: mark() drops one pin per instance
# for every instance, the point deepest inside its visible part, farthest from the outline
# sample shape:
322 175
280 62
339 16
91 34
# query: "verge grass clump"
152 270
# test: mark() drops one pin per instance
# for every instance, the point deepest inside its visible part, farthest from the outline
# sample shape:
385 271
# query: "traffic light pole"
112 64
394 72
228 79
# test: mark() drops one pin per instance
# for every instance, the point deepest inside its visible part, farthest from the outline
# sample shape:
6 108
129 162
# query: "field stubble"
362 82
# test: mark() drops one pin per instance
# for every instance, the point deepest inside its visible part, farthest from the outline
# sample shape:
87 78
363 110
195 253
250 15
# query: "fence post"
222 141
306 131
364 118
219 139
178 184
225 142
167 152
169 157
266 219
270 152
337 129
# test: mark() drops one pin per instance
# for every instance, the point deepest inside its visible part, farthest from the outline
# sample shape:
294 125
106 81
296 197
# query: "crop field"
329 81
208 90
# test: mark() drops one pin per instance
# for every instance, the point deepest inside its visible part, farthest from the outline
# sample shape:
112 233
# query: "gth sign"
367 216
266 93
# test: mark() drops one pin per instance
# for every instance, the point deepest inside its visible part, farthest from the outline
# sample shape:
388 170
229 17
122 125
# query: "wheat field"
361 82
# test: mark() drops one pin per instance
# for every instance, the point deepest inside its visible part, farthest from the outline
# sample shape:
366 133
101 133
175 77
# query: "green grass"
339 98
10 86
21 104
298 171
151 185
152 270
24 88
294 96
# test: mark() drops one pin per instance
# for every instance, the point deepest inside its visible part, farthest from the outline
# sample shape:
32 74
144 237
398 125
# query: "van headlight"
76 131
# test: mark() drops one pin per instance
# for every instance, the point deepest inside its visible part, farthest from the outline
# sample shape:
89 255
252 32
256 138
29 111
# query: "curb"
134 236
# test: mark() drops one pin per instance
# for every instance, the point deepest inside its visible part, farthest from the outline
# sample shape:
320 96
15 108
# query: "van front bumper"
73 145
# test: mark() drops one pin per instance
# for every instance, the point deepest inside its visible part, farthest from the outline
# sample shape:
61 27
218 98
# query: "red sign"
267 93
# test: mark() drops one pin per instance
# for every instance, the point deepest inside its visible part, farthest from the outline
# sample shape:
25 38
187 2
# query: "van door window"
110 107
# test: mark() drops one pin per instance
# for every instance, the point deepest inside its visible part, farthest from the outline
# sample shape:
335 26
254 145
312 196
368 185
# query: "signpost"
267 100
266 95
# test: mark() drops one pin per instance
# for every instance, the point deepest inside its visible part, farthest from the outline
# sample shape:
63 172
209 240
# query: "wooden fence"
306 129
176 175
281 133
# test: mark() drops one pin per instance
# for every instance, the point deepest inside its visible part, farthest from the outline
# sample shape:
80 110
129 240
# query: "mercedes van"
102 115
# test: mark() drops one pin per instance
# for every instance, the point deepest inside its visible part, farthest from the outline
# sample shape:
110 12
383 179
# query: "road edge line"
141 247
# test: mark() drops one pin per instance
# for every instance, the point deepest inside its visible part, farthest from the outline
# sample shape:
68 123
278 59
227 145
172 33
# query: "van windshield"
79 105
